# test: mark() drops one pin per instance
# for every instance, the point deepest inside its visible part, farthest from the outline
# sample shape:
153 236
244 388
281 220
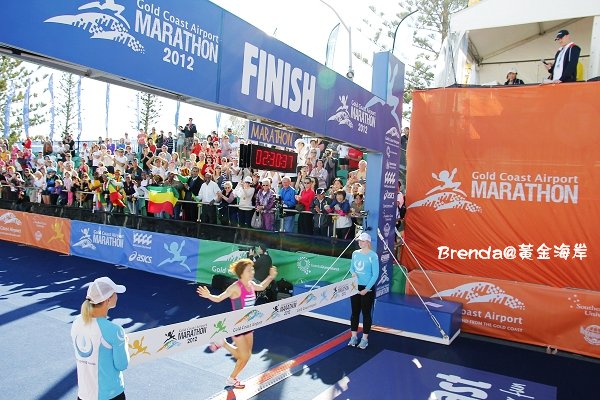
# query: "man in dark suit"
564 66
192 187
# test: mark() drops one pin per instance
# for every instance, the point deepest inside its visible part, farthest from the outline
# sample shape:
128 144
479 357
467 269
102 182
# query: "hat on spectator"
248 179
365 237
101 289
562 33
320 191
513 70
266 180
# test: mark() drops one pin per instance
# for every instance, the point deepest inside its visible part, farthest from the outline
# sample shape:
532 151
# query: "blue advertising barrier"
99 242
158 253
169 255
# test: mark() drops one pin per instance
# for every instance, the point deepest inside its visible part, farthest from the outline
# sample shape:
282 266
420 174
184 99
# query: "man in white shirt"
208 194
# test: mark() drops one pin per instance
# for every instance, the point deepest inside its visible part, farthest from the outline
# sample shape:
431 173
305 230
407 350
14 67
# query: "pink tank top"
246 299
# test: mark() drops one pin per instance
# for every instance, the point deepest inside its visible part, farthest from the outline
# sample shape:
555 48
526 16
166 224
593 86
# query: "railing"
81 210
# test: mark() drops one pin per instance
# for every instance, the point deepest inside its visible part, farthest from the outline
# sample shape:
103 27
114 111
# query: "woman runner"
242 295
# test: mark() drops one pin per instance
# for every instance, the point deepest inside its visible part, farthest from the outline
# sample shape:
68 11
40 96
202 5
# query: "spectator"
265 204
305 199
511 77
564 66
226 149
141 140
321 219
208 197
361 172
227 211
169 142
343 156
341 207
287 194
320 175
130 194
245 193
330 165
189 131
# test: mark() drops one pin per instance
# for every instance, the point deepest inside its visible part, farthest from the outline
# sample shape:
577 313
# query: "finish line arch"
196 52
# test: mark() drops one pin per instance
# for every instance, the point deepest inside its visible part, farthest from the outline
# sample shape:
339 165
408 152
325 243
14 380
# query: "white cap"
248 179
512 69
364 236
101 289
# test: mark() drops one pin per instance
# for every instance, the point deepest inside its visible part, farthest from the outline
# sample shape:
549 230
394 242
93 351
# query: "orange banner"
11 226
520 311
505 183
49 233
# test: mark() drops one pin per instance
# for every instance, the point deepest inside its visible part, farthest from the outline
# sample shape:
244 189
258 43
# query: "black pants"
362 304
305 224
245 218
209 214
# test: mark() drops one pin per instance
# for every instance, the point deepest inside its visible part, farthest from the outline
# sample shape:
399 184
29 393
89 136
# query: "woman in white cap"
244 193
100 345
365 266
511 77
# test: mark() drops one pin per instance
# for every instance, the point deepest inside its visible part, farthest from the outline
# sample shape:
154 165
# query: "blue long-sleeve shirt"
366 268
288 196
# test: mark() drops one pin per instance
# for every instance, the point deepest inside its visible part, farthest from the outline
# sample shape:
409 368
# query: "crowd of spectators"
113 175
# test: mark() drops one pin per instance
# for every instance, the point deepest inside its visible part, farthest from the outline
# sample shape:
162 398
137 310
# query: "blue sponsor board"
272 135
169 255
99 242
404 376
174 45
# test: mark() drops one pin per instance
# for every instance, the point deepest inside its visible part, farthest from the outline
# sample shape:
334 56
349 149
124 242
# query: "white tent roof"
519 33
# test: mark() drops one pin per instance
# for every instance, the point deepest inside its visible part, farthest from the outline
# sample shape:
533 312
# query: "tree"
150 107
237 125
430 25
17 71
67 102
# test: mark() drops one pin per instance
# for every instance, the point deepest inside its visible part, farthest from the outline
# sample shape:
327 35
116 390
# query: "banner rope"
418 263
433 318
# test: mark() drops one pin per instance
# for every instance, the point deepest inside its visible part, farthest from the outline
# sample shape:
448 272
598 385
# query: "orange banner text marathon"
505 183
520 311
49 233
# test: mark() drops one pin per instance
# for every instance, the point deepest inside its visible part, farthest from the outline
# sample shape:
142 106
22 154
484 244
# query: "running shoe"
363 344
234 383
353 341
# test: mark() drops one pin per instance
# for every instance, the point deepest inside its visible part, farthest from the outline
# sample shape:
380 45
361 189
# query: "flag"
52 109
26 108
161 198
115 193
107 106
79 124
177 116
330 51
9 97
218 118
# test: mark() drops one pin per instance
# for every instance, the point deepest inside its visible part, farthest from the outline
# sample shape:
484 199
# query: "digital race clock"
265 158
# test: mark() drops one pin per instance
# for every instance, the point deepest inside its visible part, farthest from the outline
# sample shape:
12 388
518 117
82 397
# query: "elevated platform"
401 315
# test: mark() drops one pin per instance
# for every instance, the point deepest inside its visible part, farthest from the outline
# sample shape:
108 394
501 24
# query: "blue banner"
79 123
107 107
169 255
26 108
271 135
52 109
9 97
98 242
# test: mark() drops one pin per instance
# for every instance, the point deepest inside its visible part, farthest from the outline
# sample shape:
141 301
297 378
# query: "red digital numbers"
280 160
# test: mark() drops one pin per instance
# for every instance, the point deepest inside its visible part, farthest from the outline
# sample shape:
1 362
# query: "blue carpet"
41 292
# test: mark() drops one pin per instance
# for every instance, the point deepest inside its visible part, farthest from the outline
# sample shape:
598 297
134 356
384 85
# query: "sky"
304 26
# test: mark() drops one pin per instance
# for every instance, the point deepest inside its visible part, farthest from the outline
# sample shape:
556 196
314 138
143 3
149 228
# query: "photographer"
262 265
330 165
